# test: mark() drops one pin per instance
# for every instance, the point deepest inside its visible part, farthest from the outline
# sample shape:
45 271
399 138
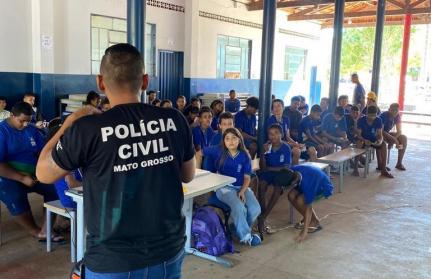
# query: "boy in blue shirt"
370 133
310 184
390 119
245 122
324 105
310 127
225 122
20 145
232 104
294 116
203 134
334 128
359 92
217 108
343 101
303 106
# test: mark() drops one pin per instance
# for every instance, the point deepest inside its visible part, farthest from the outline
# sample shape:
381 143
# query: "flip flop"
387 169
314 229
54 239
299 225
387 174
400 167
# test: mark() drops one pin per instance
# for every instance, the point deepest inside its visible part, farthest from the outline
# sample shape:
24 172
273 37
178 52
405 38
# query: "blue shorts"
14 195
267 176
248 142
61 187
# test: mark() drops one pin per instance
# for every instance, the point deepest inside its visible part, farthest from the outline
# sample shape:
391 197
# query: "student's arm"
330 137
188 170
367 142
247 136
241 193
387 136
237 105
8 172
290 140
379 136
47 170
398 128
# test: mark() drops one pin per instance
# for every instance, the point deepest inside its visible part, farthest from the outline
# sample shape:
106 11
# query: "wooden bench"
338 160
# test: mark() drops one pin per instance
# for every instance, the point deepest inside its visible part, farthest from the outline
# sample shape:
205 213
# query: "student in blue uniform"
181 103
277 157
359 92
195 102
232 159
20 145
225 122
232 105
324 105
310 184
191 113
310 128
371 101
294 116
390 119
370 133
203 134
36 116
217 108
303 106
334 127
245 122
343 101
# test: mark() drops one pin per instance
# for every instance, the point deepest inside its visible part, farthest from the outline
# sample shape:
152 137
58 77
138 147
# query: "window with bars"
107 31
233 57
294 63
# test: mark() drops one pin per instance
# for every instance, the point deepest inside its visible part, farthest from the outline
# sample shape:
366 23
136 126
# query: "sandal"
54 239
400 167
299 225
386 174
314 229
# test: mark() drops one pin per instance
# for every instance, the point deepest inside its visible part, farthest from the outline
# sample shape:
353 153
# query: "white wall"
15 36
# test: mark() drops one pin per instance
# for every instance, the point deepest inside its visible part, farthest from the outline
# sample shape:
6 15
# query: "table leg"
188 213
367 162
290 213
48 230
73 236
341 181
80 230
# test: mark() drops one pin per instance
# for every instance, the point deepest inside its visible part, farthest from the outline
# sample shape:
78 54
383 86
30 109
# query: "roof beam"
417 3
258 5
292 17
398 4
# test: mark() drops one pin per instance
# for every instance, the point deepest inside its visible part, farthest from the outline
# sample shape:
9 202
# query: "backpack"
208 233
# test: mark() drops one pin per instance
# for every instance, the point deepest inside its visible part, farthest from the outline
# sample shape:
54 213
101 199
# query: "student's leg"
382 154
312 153
296 153
359 144
253 207
321 150
49 193
403 141
276 193
252 149
229 195
297 200
263 187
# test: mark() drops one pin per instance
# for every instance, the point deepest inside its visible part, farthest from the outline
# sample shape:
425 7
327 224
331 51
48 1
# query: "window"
107 31
294 63
233 57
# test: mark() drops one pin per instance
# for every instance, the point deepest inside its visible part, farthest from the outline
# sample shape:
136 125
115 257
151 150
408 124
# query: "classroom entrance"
171 74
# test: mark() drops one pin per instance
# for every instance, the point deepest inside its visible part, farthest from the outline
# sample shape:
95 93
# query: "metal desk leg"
72 236
48 230
290 213
80 230
188 212
341 181
367 162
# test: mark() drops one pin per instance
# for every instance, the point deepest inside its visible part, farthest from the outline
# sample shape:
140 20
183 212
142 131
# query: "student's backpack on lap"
208 233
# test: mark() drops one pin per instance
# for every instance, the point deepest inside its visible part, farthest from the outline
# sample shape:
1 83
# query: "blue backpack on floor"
208 233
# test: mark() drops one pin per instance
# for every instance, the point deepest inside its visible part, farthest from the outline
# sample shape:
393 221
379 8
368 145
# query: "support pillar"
336 53
380 22
404 59
267 55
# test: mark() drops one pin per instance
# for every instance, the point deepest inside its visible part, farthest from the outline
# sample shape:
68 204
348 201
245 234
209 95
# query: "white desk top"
341 156
203 183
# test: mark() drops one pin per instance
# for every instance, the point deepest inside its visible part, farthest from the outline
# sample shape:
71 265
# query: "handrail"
415 113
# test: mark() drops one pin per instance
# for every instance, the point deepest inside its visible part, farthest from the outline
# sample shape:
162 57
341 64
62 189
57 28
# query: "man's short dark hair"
92 95
29 94
123 66
105 101
343 97
276 126
354 75
316 108
22 108
194 99
232 91
371 110
156 101
354 108
166 101
302 98
215 103
393 105
253 102
339 111
181 97
2 98
205 109
277 101
225 115
151 92
190 109
326 99
295 99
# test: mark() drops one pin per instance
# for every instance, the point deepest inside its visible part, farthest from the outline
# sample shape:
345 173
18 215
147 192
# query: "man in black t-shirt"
134 159
294 116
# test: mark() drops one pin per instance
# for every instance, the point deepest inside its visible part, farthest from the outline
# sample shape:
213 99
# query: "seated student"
303 107
225 121
93 99
191 114
152 96
20 145
217 108
181 103
245 122
166 104
352 124
309 127
232 159
276 156
278 118
310 184
370 133
203 134
4 114
36 117
156 103
232 105
371 101
343 101
390 119
294 116
195 102
105 105
324 105
334 128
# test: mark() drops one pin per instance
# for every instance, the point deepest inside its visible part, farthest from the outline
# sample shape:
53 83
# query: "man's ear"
100 83
145 81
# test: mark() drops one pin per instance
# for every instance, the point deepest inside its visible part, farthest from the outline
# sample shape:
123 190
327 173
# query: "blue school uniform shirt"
305 108
232 106
280 157
324 113
284 123
201 138
245 123
234 166
332 126
216 138
61 186
20 148
369 132
214 122
314 183
358 94
388 121
307 123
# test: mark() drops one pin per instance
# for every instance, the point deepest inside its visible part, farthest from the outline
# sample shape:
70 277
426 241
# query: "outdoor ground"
377 228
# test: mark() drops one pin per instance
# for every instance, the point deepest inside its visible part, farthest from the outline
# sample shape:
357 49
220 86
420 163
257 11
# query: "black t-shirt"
131 158
295 118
